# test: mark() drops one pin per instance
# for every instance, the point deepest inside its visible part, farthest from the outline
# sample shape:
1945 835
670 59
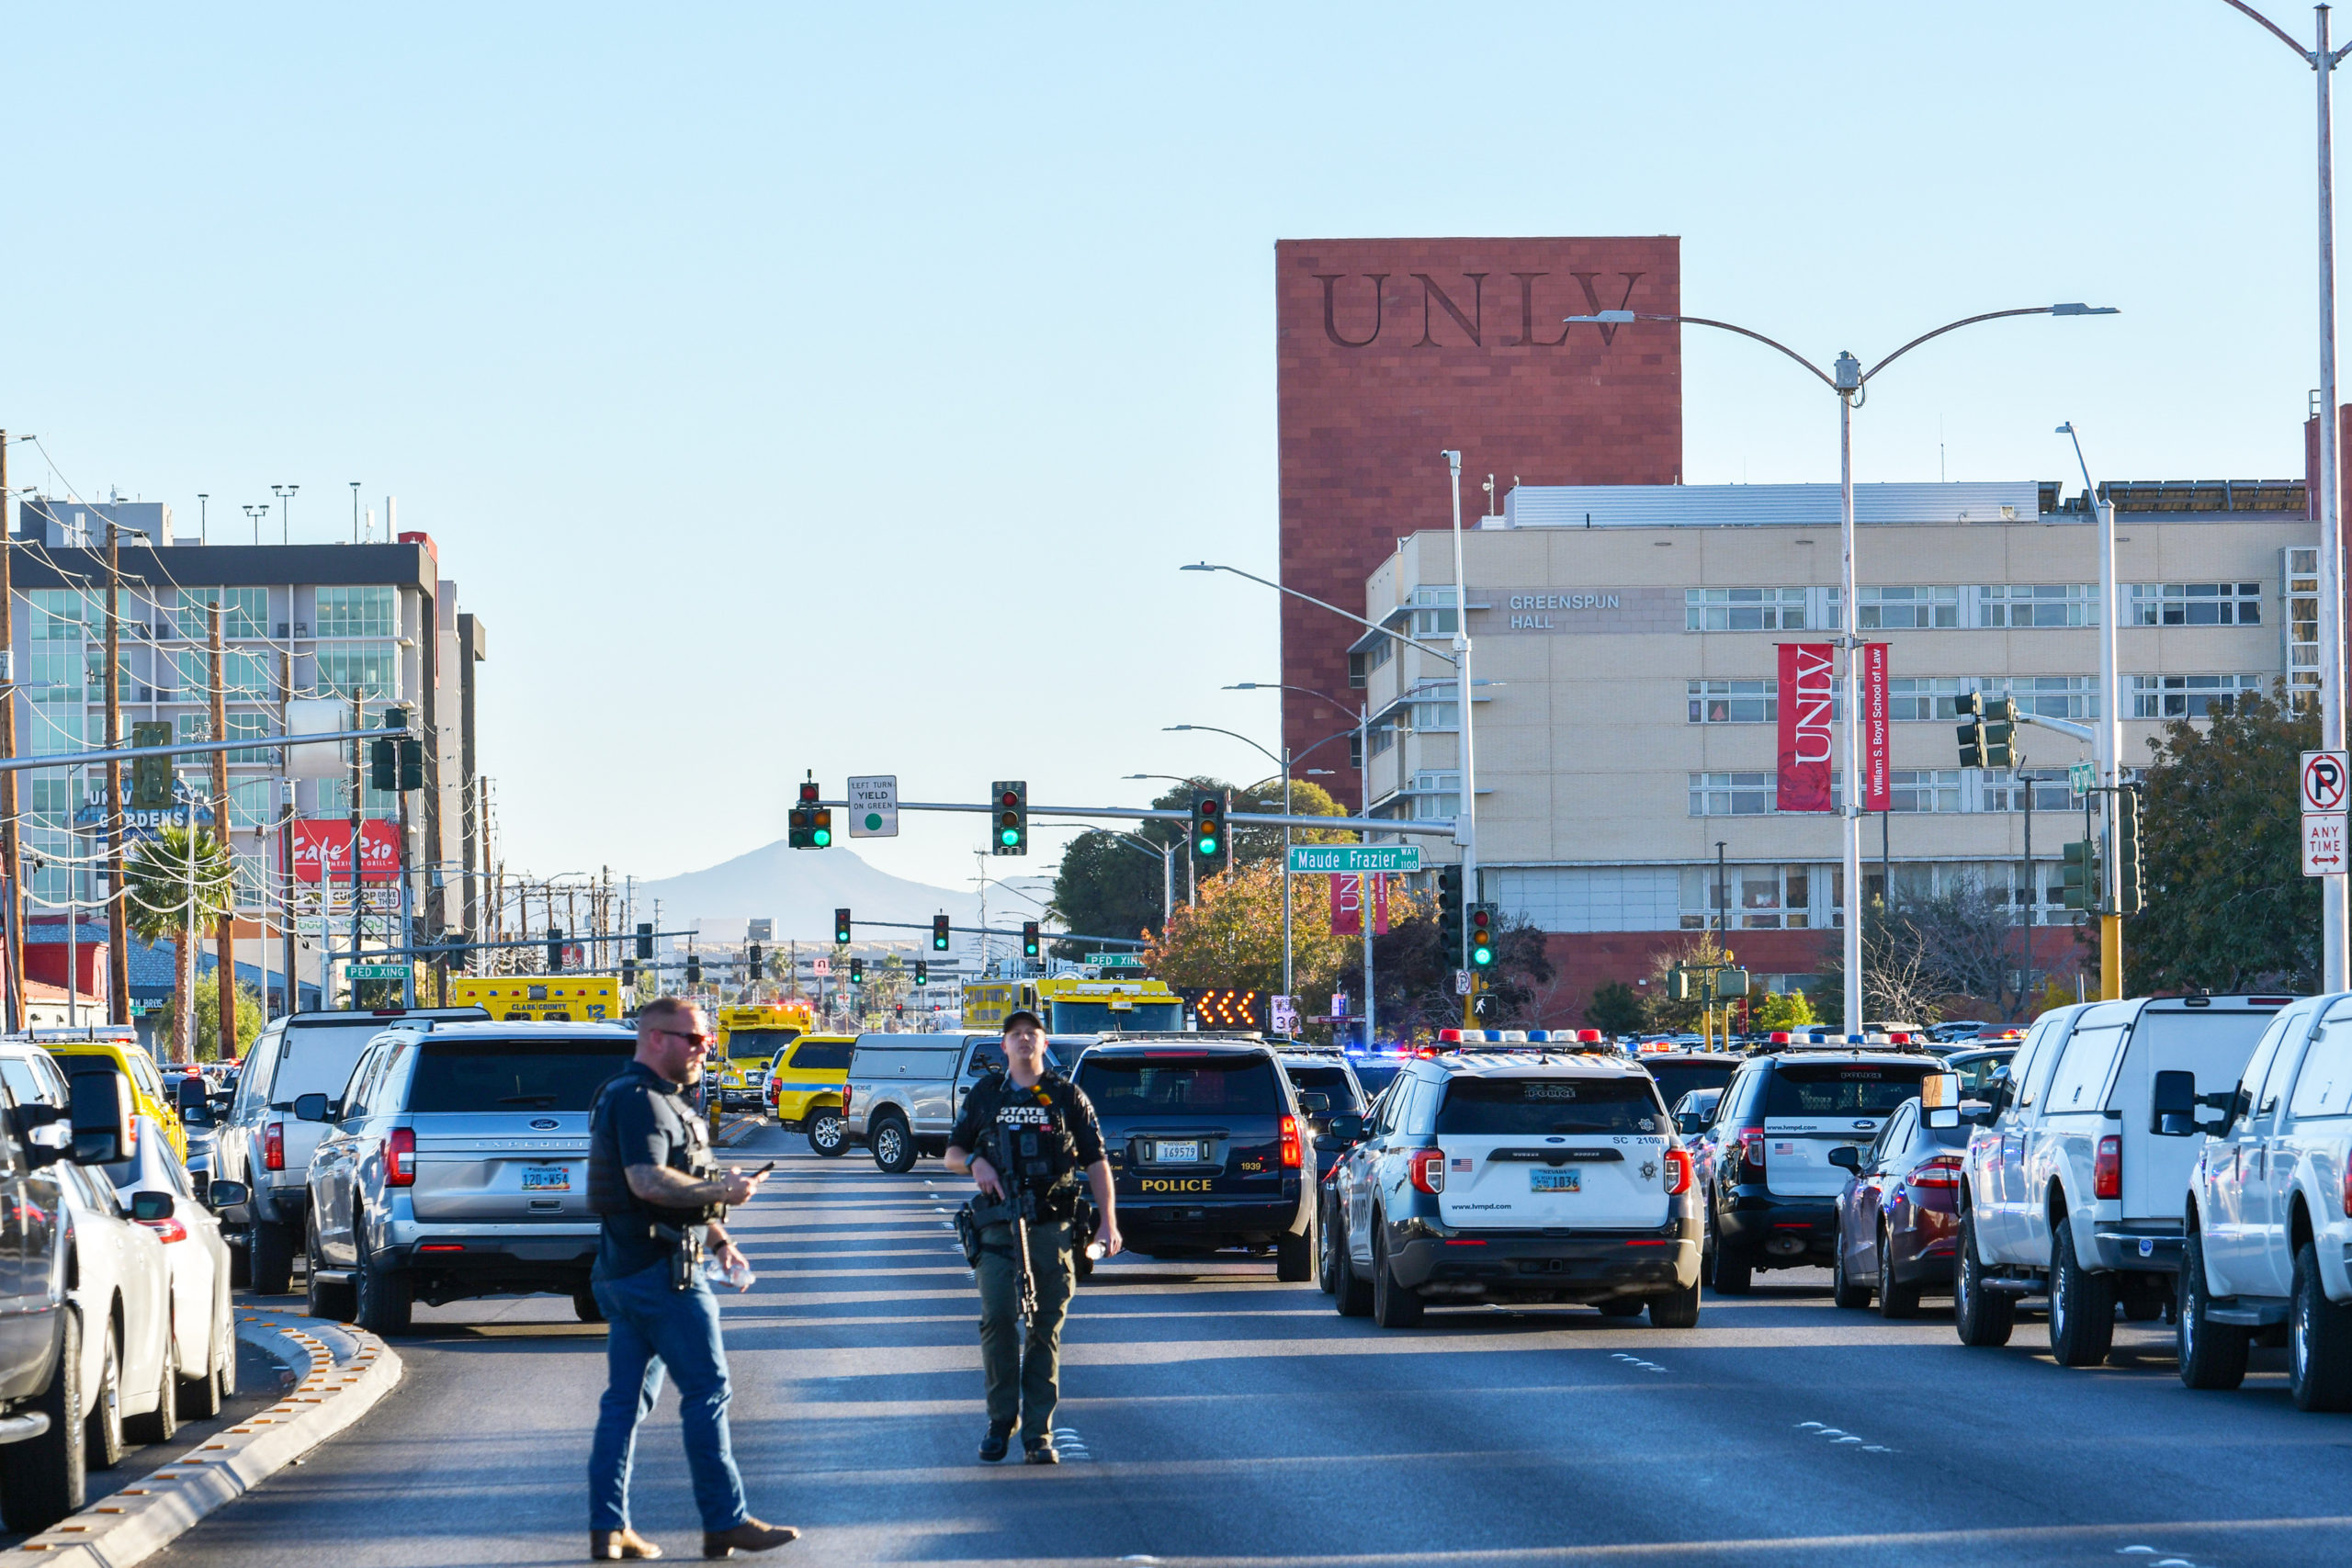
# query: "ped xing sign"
1354 859
1116 960
376 971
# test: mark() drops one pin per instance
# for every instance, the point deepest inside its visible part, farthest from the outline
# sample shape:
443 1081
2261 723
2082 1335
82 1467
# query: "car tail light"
273 1147
845 1099
1941 1171
1751 1150
399 1157
2347 1188
2106 1168
1429 1170
1677 1170
170 1230
1291 1152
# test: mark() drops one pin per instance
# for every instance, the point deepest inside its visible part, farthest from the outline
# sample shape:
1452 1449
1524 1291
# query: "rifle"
1018 1209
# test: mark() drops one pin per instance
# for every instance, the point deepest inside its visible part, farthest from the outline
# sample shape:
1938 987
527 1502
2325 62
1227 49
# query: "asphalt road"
1226 1419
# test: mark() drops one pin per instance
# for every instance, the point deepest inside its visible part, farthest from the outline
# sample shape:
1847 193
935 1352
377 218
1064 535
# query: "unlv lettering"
1806 669
1472 323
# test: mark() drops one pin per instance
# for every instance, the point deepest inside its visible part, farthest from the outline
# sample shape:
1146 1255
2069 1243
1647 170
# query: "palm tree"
178 886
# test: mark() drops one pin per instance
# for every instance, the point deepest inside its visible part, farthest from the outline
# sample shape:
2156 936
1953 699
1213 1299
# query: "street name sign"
2080 777
874 806
1354 859
2323 843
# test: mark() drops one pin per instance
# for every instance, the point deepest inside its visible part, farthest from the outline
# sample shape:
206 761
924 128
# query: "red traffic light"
809 793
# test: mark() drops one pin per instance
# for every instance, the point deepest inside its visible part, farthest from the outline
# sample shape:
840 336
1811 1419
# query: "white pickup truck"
2269 1208
2074 1188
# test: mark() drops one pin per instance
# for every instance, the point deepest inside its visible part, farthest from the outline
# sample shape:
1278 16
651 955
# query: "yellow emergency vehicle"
804 1089
1072 1004
540 998
79 1049
749 1037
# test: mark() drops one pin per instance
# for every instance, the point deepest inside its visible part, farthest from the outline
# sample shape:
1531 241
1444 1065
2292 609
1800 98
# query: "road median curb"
348 1371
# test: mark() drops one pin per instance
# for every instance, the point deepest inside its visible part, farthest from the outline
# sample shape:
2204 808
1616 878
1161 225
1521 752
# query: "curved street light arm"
1212 730
2308 56
1446 654
1819 374
1951 327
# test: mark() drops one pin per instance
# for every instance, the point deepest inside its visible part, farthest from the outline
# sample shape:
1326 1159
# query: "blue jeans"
652 1326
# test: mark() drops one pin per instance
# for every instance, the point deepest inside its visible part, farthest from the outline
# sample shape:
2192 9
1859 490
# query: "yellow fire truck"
1072 1004
540 998
747 1037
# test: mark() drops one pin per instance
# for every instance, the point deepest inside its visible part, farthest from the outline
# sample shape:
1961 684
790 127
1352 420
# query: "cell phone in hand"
764 1170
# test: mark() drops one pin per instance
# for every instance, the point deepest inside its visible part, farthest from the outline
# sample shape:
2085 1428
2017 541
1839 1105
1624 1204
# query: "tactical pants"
1024 1386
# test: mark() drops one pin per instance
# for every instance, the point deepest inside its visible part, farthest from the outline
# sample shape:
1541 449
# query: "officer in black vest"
651 1177
1027 1134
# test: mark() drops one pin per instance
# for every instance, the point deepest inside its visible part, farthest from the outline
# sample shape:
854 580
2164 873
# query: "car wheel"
1895 1299
200 1398
584 1306
385 1298
1843 1292
1393 1306
2319 1340
1733 1271
894 1147
1675 1309
2082 1305
2213 1355
159 1425
103 1441
1327 1262
828 1133
1353 1292
269 1249
329 1299
47 1479
1985 1317
1294 1257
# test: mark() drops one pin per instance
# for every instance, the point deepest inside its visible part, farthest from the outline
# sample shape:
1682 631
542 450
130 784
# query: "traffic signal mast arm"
1428 826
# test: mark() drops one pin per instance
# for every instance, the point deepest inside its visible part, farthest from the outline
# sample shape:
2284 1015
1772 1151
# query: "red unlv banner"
322 849
1347 905
1807 678
1878 794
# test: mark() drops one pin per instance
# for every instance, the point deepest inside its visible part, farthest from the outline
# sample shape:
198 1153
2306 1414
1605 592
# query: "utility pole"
118 938
225 940
12 869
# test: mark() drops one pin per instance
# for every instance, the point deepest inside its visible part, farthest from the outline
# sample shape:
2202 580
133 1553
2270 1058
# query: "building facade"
1627 710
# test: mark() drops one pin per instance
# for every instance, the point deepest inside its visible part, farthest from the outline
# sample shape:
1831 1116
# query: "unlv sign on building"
1390 351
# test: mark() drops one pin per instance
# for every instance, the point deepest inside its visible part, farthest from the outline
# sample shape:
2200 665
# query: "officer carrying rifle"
1026 1134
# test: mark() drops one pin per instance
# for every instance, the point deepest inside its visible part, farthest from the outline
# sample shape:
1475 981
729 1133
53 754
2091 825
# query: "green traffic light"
1207 846
823 836
1008 837
1482 955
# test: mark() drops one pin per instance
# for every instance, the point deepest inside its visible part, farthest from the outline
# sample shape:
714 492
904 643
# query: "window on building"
1896 609
1743 609
2038 604
54 672
1750 897
59 614
244 674
2050 696
1735 701
2186 697
2300 580
2196 604
244 613
1925 790
1437 793
1373 657
1383 736
253 803
2004 793
1926 697
334 800
374 667
356 611
58 728
1732 795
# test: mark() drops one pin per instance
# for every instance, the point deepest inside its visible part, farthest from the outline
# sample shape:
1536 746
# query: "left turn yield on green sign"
874 806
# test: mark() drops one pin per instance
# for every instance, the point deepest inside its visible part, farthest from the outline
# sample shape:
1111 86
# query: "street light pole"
2108 750
1465 817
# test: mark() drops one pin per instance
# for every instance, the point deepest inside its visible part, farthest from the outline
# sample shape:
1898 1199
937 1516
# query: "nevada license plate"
546 1178
1555 1180
1177 1154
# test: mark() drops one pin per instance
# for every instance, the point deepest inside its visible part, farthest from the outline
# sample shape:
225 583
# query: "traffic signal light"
384 765
1028 939
759 970
1012 798
628 974
939 934
1971 743
2080 876
2135 896
857 971
555 950
411 770
150 777
1449 912
645 941
840 927
923 972
809 826
1987 731
1208 826
693 968
1481 935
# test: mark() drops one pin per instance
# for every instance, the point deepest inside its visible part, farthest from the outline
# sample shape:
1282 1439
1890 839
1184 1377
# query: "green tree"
1615 1009
2221 832
1783 1010
1232 935
207 1017
1414 971
167 880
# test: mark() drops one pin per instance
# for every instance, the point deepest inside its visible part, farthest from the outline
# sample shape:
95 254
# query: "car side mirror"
1347 1127
1939 1100
1315 1104
986 1065
197 1111
1689 1122
147 1206
310 1108
1847 1156
2172 1106
226 1194
100 1116
46 1135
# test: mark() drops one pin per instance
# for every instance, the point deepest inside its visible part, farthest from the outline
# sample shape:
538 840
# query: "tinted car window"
1841 1088
515 1074
317 1061
1676 1079
1536 1107
1332 1081
1377 1075
822 1056
1134 1086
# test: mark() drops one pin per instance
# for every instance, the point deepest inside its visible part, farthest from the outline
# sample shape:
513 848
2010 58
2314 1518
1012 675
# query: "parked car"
903 1091
1330 1074
2268 1211
1772 1198
1516 1172
1953 1029
153 1189
266 1150
2068 1191
804 1089
1897 1222
456 1165
65 1283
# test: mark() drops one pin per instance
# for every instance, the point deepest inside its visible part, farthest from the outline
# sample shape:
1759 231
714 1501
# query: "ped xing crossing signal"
809 826
1988 731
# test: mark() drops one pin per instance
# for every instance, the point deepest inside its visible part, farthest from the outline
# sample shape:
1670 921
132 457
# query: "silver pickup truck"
905 1090
456 1165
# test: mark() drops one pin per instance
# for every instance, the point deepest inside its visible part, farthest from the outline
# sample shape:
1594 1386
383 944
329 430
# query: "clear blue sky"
839 389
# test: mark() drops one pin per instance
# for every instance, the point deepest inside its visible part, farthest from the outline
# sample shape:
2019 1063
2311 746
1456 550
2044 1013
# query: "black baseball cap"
1018 1016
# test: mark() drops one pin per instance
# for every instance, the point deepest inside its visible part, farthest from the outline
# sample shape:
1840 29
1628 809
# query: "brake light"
2347 1188
1751 1149
2107 1167
1291 1153
1941 1171
1678 1171
844 1097
1429 1170
273 1147
170 1230
399 1157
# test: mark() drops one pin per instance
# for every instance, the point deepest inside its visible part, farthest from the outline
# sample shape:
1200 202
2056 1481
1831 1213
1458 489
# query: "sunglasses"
689 1038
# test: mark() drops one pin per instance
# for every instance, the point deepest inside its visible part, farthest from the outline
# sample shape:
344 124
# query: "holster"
686 1255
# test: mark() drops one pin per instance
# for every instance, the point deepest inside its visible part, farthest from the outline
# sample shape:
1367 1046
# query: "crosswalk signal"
939 934
2135 896
840 927
2079 875
150 777
1011 817
1449 912
1481 935
555 950
759 969
1208 826
645 941
1028 939
809 826
857 971
923 972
